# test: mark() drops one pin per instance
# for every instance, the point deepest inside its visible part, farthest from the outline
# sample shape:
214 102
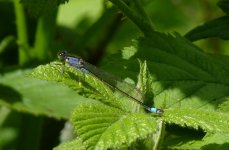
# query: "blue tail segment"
155 110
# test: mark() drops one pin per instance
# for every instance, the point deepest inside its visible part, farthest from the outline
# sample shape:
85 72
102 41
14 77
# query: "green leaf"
103 127
182 75
215 28
84 84
26 94
208 121
144 83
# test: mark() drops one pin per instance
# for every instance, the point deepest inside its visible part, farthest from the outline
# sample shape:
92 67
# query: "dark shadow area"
50 135
9 95
181 131
177 135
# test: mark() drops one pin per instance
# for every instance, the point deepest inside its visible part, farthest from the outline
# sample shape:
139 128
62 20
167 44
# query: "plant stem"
44 35
22 38
143 24
139 8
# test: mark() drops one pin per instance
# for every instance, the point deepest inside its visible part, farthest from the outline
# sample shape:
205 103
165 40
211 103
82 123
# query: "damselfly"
124 88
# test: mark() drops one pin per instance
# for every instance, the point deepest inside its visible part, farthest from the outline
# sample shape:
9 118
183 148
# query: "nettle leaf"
103 127
208 121
25 94
183 76
215 28
84 84
144 83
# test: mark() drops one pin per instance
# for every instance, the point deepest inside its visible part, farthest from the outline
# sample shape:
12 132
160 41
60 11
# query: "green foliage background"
175 53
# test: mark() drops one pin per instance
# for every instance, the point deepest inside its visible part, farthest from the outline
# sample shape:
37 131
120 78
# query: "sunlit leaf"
103 127
208 121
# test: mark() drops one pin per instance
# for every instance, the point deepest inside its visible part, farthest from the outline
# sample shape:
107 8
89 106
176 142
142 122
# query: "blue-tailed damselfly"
105 77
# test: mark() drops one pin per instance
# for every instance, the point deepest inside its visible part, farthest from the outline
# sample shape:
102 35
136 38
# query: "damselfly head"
62 55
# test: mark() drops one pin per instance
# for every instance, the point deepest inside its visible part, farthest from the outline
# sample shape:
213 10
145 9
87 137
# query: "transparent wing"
126 88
